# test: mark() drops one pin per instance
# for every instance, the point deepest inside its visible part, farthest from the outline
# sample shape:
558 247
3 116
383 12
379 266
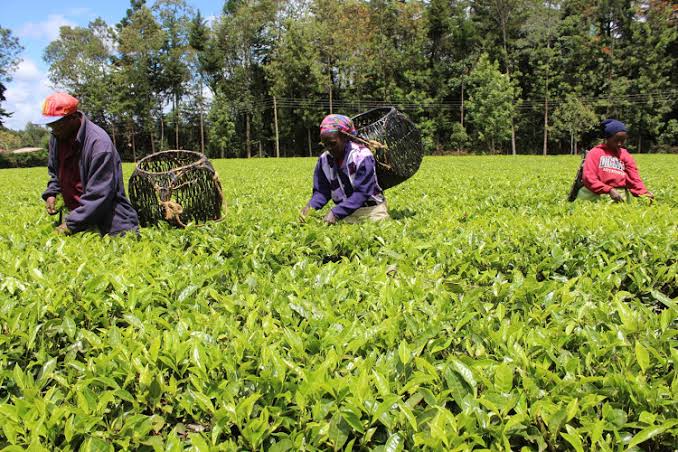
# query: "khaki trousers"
587 195
371 213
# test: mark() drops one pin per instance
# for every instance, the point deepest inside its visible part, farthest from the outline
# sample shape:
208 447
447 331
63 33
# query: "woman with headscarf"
610 170
345 173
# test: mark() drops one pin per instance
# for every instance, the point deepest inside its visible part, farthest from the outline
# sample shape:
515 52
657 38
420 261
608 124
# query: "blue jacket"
103 204
351 186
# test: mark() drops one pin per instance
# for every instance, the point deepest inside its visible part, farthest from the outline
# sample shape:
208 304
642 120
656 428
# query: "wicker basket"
176 186
404 149
578 180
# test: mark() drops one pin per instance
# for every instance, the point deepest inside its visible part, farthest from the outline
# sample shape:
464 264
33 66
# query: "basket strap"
372 145
172 212
217 183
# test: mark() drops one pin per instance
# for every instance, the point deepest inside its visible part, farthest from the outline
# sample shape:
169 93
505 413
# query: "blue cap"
611 127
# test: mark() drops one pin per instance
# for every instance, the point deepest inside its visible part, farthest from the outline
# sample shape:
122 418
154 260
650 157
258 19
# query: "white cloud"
47 29
80 12
26 71
30 85
25 94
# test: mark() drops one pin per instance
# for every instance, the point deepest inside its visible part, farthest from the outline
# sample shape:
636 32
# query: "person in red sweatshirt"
610 170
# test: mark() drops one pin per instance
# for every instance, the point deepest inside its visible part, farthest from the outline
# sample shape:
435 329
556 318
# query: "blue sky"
36 23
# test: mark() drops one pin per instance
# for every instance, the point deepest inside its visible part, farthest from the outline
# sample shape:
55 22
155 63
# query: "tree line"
500 76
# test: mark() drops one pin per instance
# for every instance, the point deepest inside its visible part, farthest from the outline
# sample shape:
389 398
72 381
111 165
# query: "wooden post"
310 149
134 147
162 128
150 123
202 134
546 109
462 101
275 122
202 123
330 90
176 120
546 122
247 135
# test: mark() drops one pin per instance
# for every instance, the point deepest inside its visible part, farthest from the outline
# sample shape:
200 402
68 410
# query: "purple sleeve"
364 185
100 191
321 188
53 187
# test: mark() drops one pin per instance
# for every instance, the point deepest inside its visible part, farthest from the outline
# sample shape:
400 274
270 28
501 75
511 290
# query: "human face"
616 141
335 143
66 127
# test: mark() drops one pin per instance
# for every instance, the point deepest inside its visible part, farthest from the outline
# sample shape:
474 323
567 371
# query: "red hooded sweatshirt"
605 169
69 173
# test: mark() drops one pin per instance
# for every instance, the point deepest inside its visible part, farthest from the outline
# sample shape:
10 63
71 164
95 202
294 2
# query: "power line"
667 96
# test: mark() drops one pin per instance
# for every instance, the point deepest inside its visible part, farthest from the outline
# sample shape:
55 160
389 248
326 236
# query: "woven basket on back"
578 180
404 149
176 186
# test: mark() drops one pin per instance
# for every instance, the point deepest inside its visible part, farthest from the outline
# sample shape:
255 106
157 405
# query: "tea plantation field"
490 313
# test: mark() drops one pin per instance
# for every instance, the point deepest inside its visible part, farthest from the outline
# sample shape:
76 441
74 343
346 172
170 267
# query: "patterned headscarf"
337 123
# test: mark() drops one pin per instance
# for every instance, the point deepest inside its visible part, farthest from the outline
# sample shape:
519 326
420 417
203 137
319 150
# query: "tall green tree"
490 106
137 78
245 35
10 49
174 18
647 63
35 136
453 48
572 118
199 40
295 72
221 128
501 21
539 35
80 62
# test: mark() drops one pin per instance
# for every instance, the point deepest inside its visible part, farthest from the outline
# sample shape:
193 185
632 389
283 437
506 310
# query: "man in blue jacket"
85 168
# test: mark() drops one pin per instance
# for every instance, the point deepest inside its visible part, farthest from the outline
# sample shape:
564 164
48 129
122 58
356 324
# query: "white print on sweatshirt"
611 164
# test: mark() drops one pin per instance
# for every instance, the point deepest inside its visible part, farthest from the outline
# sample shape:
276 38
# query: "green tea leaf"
463 371
651 432
503 378
573 437
642 357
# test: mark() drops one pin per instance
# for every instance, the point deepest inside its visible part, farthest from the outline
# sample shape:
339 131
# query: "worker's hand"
62 229
304 213
616 196
330 218
649 195
50 203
